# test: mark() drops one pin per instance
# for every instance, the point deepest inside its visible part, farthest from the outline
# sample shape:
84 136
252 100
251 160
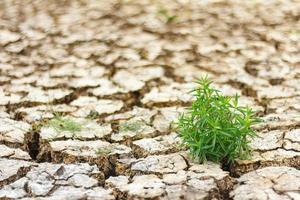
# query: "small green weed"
130 126
92 115
165 14
60 123
215 128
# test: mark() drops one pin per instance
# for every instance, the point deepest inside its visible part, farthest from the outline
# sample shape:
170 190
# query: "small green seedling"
130 126
215 127
165 14
60 123
92 115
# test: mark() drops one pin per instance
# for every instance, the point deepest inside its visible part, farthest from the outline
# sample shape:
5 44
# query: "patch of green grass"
215 127
130 126
60 123
295 32
104 151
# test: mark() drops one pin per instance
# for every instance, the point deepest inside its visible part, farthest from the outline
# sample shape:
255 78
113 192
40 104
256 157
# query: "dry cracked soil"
122 71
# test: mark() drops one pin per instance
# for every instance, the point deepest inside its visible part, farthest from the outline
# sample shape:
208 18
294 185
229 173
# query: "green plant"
215 127
165 14
60 123
92 115
131 126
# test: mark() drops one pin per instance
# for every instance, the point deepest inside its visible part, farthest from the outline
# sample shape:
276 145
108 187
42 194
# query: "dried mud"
123 70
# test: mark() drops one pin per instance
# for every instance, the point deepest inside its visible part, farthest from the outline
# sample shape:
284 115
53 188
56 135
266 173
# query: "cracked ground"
122 70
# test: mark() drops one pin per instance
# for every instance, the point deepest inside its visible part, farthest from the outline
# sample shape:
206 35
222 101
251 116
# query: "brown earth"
122 69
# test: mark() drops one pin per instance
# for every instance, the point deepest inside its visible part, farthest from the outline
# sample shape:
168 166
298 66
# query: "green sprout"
131 126
215 127
165 14
60 123
92 115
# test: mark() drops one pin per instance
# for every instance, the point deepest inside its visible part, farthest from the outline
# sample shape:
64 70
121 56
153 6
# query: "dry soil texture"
121 71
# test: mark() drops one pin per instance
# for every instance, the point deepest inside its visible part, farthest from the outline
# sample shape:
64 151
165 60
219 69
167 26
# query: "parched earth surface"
122 71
